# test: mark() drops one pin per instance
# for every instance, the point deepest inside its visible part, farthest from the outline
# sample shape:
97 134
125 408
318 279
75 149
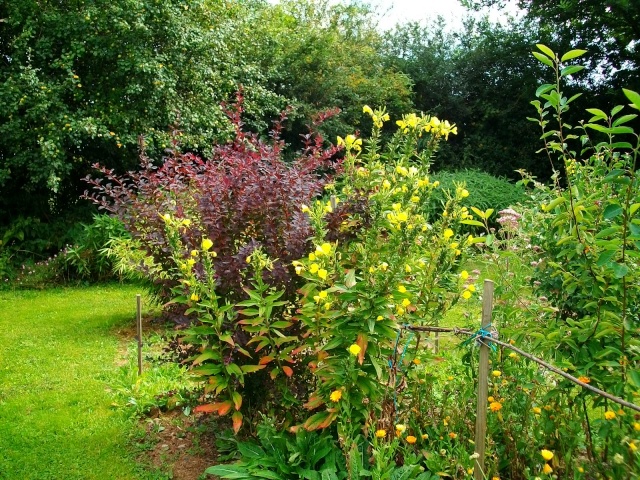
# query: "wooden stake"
139 324
483 385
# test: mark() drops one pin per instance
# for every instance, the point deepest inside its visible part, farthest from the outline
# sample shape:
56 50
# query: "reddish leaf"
208 408
225 407
274 373
237 400
265 360
362 341
288 371
237 421
314 402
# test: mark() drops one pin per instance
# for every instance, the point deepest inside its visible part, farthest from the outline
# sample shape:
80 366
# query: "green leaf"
350 279
634 376
546 50
612 211
619 270
596 112
472 222
605 257
571 54
634 97
543 59
624 119
570 70
250 450
543 89
229 471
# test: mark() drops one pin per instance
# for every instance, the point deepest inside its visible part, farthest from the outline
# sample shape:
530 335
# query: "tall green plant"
592 243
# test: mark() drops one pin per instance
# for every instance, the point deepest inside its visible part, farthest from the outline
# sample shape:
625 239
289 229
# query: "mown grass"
58 349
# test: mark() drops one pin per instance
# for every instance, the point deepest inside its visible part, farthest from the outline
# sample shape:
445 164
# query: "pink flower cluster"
508 218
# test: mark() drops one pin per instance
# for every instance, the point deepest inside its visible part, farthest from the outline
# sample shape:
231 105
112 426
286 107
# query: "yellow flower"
406 302
380 317
400 428
322 273
469 471
609 415
335 395
536 410
491 399
632 446
166 217
411 439
327 306
191 262
452 435
195 297
636 426
495 477
206 244
326 248
381 433
402 289
495 406
415 199
547 469
546 454
416 361
464 275
513 355
354 349
386 185
471 288
312 257
400 311
584 379
194 253
466 294
367 109
305 209
496 373
407 268
323 294
186 222
384 266
448 233
425 436
314 268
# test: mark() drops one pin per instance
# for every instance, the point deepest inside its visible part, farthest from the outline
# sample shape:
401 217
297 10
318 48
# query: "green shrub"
488 191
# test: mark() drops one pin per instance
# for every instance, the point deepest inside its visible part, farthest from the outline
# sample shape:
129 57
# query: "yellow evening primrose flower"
322 273
367 109
194 253
546 454
323 294
415 199
471 288
496 373
381 433
466 294
609 415
448 233
191 262
384 266
312 257
386 184
380 317
536 410
305 208
464 275
195 297
314 267
206 244
335 396
326 248
402 289
406 302
547 469
400 428
400 311
636 426
407 268
354 349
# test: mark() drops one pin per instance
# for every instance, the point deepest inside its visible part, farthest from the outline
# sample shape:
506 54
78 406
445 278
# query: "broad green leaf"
634 376
543 59
605 257
597 128
570 70
619 270
596 112
621 130
624 119
571 54
612 211
546 50
472 222
544 89
634 97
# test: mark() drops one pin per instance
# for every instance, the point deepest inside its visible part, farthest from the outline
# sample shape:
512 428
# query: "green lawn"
57 349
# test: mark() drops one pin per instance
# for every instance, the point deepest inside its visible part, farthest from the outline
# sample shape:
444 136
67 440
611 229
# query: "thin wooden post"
139 324
483 385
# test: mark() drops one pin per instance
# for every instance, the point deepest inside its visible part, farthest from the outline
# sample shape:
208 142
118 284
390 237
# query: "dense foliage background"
83 82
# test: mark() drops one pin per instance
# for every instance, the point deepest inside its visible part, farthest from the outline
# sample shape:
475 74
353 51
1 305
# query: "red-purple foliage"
245 196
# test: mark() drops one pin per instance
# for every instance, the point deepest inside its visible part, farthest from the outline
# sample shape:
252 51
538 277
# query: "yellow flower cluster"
350 142
378 117
437 127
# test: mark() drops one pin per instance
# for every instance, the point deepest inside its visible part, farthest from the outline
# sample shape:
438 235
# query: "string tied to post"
484 335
